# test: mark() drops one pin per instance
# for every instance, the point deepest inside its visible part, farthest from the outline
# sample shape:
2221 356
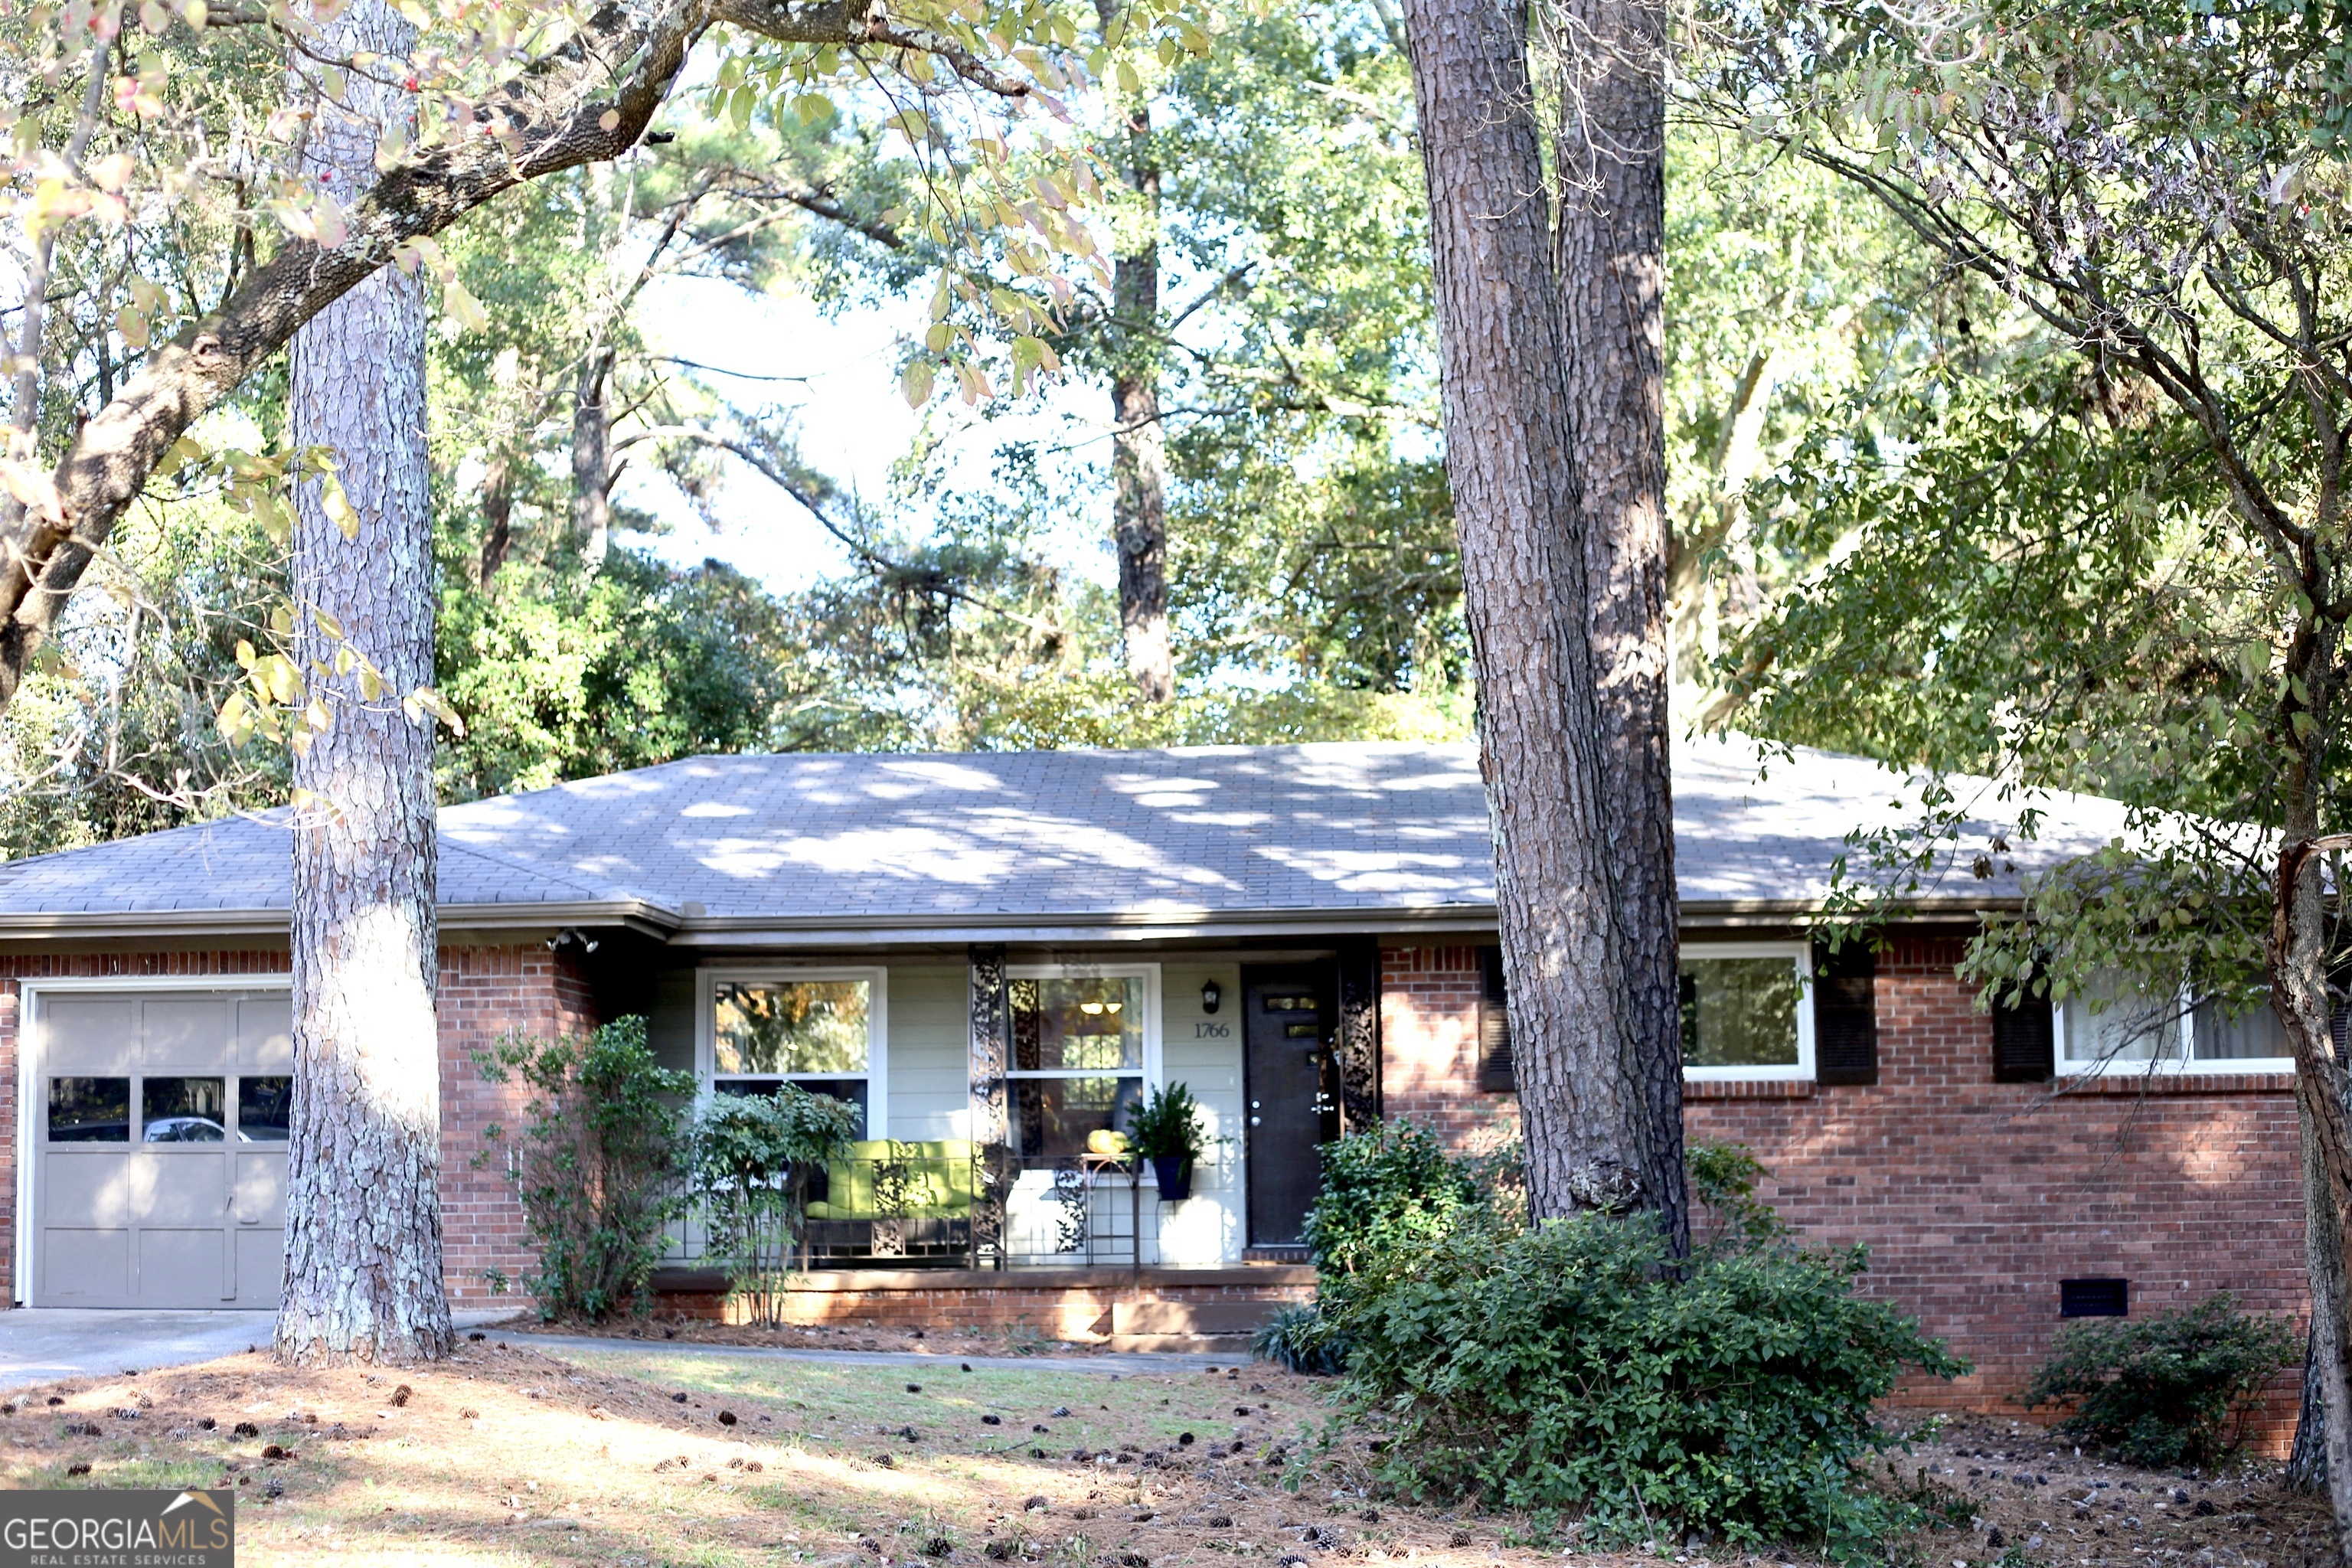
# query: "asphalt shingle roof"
933 841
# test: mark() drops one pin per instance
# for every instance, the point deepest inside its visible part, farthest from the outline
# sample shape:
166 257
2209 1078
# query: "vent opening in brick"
2094 1297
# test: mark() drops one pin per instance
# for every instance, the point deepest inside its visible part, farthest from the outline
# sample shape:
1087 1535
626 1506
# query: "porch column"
1359 1034
992 1045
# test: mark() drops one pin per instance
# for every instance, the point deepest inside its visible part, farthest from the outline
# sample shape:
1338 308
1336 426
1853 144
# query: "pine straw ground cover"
506 1455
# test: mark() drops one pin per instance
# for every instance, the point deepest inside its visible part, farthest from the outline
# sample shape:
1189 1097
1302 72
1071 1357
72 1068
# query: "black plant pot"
1174 1174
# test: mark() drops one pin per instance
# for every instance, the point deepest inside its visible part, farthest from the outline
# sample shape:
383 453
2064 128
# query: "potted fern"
1168 1131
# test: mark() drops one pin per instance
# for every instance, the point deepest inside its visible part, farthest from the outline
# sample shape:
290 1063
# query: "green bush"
598 1165
753 1154
1579 1370
1301 1339
1387 1192
2171 1389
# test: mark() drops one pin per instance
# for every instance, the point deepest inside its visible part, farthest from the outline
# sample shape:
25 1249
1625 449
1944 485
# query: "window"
90 1110
183 1110
1084 1045
1744 1011
821 1029
265 1109
2110 1029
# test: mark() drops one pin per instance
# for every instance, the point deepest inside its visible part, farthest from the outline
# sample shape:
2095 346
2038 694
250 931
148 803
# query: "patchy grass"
510 1456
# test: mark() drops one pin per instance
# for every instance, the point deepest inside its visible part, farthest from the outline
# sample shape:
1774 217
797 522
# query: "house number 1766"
1206 1031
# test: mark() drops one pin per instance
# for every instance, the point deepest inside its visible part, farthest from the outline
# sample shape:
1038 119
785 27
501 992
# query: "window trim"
877 1028
1147 972
1800 956
2186 1065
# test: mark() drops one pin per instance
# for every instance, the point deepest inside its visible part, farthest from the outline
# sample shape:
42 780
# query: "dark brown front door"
1287 1020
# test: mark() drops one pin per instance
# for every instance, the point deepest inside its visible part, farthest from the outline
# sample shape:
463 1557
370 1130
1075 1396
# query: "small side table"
1097 1167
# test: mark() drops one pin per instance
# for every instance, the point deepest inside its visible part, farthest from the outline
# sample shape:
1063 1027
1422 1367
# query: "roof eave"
654 919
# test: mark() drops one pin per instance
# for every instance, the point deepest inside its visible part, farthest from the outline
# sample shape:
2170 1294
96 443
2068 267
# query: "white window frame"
32 1103
1800 957
1148 973
877 1025
2186 1065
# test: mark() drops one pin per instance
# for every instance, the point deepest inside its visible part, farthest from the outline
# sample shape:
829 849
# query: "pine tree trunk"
1610 259
362 1210
592 462
1139 444
1509 456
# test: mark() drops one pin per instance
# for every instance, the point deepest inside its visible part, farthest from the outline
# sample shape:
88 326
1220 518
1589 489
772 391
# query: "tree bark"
1139 446
363 1207
1610 257
498 516
592 462
1509 457
2298 965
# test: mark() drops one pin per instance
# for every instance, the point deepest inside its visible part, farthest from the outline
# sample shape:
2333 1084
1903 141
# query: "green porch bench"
938 1176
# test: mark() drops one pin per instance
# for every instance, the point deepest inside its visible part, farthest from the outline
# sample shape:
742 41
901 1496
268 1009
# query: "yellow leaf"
915 382
244 653
338 506
327 623
459 302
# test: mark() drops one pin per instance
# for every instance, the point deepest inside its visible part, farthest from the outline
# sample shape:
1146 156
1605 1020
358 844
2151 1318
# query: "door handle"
1252 1121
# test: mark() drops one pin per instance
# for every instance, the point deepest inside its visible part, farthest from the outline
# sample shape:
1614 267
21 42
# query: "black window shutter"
1845 1016
1496 1073
2023 1050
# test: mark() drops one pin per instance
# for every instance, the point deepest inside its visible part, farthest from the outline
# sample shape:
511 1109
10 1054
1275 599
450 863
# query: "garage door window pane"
183 1110
90 1110
265 1109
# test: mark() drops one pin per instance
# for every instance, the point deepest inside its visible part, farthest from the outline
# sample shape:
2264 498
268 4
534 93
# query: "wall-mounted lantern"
1211 994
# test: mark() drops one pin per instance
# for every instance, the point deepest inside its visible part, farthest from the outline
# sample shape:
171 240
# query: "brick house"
991 956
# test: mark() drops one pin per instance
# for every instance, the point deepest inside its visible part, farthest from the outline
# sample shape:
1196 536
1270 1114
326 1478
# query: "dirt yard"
1020 1340
646 1456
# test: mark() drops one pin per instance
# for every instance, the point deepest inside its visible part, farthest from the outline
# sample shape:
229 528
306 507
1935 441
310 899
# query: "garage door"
161 1149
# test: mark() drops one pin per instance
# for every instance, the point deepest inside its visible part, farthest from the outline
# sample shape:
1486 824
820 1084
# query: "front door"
1287 1016
160 1132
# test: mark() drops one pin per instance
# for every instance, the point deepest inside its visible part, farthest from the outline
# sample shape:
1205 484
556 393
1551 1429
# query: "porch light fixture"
1211 994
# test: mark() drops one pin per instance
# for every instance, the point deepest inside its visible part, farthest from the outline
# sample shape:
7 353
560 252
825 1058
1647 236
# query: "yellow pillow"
1104 1141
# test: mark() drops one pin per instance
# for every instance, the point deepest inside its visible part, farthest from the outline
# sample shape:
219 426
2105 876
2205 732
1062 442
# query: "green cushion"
938 1180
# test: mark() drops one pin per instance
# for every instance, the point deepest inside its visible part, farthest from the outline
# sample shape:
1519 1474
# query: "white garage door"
159 1137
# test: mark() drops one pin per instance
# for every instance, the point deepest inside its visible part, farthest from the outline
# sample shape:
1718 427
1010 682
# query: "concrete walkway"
42 1344
1129 1363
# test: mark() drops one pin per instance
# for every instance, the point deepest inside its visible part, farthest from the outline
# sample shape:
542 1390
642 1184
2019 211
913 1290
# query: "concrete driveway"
41 1344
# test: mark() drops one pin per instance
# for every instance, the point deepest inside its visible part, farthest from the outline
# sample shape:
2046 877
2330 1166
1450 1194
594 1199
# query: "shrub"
1575 1368
753 1154
2170 1389
1580 1369
1386 1192
1302 1339
598 1165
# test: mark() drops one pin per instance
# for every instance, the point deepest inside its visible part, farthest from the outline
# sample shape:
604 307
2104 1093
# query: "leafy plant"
1301 1339
1168 1126
1723 1178
1385 1189
753 1154
597 1166
1579 1369
2170 1389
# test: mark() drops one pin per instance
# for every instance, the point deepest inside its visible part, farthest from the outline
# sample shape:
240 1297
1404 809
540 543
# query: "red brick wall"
1976 1198
488 993
1429 1047
485 992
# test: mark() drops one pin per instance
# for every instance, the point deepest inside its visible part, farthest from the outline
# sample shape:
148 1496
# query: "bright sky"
841 382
